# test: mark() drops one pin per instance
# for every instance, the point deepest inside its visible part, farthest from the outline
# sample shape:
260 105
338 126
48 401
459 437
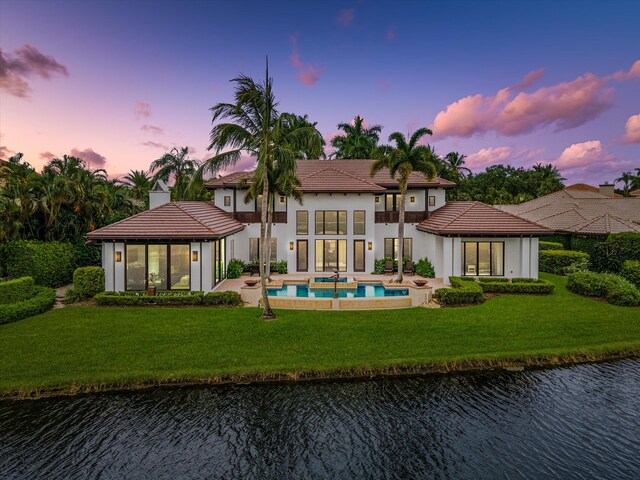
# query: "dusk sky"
120 83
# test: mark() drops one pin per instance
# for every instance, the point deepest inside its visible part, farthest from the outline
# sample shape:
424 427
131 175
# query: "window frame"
432 200
274 249
338 222
477 265
339 241
364 222
146 264
227 201
306 222
394 241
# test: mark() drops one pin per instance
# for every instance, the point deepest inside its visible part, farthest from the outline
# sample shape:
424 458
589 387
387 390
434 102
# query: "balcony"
392 217
255 217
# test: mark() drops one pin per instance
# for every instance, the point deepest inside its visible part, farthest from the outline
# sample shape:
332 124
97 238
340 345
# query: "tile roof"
352 169
588 188
174 220
572 211
477 218
334 180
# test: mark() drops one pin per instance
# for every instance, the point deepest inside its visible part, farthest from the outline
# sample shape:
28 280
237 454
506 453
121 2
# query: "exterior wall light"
370 246
377 199
412 199
282 198
118 256
194 255
290 245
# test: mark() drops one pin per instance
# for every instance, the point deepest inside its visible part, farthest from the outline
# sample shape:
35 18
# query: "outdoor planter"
151 291
252 282
420 283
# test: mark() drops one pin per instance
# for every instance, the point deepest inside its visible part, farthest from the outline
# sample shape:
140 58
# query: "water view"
362 290
576 422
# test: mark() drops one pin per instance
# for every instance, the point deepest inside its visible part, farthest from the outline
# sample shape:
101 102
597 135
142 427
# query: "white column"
206 259
525 257
447 259
457 256
196 280
108 265
118 270
534 257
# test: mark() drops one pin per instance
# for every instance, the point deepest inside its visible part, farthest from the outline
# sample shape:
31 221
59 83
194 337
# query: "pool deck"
417 295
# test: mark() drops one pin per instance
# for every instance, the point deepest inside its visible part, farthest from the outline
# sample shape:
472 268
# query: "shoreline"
462 366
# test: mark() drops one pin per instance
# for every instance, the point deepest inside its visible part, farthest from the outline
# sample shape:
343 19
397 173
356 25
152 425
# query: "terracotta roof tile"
476 218
605 225
175 220
334 180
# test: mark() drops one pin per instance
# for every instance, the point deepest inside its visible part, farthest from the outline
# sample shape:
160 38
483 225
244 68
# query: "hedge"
616 289
525 285
228 298
49 263
279 266
554 261
42 300
610 255
631 271
88 281
550 246
462 292
16 290
235 268
424 268
141 298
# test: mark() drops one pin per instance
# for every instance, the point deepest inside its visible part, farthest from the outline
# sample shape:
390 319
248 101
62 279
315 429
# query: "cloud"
632 129
26 61
5 152
245 164
308 74
142 109
529 79
485 157
152 129
634 72
346 16
47 156
391 33
155 145
583 154
565 105
384 85
93 159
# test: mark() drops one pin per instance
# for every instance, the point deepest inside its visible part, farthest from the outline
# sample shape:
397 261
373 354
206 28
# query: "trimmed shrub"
86 255
492 279
554 261
550 246
424 268
624 294
88 281
228 298
235 268
631 271
616 289
141 298
279 267
528 286
16 290
42 300
462 292
610 255
49 263
581 265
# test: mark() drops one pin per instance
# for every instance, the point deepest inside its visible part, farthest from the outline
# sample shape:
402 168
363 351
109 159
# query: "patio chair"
409 268
388 266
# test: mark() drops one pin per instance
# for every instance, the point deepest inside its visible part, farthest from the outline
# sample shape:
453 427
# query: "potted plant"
151 288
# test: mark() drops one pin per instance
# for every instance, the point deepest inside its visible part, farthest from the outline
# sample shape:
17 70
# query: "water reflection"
565 423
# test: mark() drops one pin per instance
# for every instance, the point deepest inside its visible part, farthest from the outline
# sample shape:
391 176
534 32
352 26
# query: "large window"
331 254
391 248
254 249
167 266
359 222
136 271
157 266
331 222
483 258
358 256
218 259
180 267
302 222
391 202
302 256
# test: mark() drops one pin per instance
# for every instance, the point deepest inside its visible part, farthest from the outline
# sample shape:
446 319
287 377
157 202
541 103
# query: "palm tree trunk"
267 313
403 192
269 224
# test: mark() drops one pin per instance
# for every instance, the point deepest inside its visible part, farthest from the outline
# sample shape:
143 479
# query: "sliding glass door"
330 255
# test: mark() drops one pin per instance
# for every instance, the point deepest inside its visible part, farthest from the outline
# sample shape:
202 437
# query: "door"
358 256
302 256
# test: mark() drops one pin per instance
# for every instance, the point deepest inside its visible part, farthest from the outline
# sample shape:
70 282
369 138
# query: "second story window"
331 222
391 202
302 222
227 200
432 201
358 222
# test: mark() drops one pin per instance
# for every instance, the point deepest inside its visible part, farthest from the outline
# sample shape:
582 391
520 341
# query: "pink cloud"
529 79
25 62
93 159
142 109
245 164
155 145
154 130
485 157
5 152
308 74
632 129
47 156
565 105
391 33
412 125
583 154
346 16
634 72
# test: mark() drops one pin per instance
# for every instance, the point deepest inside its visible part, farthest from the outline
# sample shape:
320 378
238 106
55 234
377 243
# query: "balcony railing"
392 217
255 217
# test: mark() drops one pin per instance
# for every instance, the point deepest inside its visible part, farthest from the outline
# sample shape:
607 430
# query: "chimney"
607 189
159 194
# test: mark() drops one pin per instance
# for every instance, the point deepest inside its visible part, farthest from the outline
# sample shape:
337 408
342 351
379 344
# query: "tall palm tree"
358 141
256 127
407 157
139 184
454 163
547 171
627 178
178 165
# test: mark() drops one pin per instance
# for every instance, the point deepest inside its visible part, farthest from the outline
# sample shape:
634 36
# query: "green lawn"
83 346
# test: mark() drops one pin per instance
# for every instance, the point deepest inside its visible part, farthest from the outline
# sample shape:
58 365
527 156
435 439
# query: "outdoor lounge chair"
388 266
409 268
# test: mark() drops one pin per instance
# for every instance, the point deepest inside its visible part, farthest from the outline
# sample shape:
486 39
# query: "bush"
49 263
279 267
229 298
235 268
631 271
165 298
610 255
16 290
525 285
581 265
462 292
617 290
624 295
492 279
424 268
550 246
42 300
554 261
88 281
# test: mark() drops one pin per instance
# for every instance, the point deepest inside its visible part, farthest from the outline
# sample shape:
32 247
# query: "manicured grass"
83 346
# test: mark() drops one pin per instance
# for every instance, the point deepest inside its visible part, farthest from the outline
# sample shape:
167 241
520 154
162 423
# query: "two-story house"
346 221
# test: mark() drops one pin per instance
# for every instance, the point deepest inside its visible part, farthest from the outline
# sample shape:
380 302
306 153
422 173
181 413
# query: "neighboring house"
347 221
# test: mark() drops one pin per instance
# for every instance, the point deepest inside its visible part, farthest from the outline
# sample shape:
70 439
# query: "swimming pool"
328 279
363 290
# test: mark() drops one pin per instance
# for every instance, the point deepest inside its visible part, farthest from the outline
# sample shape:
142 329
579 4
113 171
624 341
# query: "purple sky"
119 83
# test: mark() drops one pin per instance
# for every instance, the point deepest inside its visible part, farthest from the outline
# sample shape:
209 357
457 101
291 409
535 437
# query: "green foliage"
87 255
563 239
518 285
279 266
609 256
235 268
424 268
378 265
580 265
164 298
88 281
584 244
554 261
492 279
49 263
463 292
358 141
16 290
631 271
616 289
550 246
42 300
228 298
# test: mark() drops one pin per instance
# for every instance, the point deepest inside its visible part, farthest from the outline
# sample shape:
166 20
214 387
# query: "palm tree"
547 171
454 163
627 178
139 184
178 165
358 141
257 128
404 159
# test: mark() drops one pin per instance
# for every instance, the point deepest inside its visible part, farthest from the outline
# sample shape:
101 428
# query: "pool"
363 290
328 279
